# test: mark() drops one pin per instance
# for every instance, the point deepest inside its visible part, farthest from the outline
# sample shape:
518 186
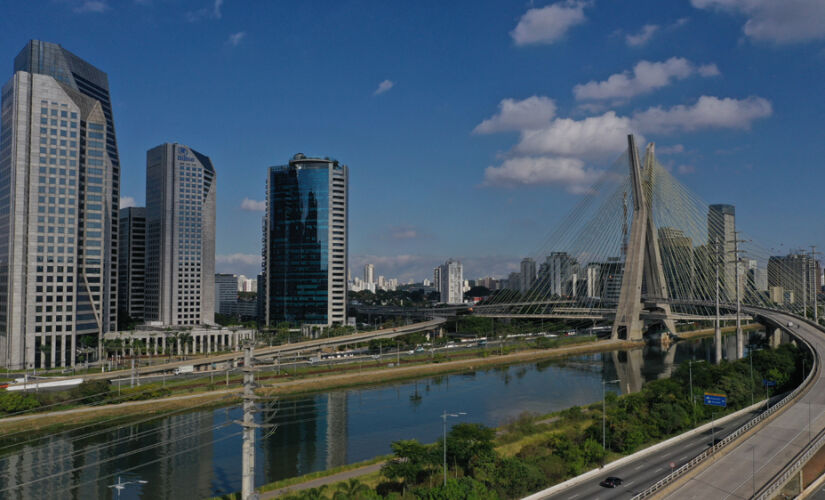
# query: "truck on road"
185 369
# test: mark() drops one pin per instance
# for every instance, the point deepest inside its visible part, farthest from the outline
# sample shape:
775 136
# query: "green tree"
351 490
412 461
466 442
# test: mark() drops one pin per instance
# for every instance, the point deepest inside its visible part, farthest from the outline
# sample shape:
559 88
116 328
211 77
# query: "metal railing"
778 480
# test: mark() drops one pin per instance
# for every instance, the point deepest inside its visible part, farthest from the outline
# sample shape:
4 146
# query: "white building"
369 273
59 192
180 236
451 280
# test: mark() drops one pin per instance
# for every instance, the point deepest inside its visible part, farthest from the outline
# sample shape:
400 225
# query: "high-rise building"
528 275
676 251
305 242
226 293
59 192
722 241
797 273
452 282
611 273
558 274
131 262
593 280
180 236
369 273
437 278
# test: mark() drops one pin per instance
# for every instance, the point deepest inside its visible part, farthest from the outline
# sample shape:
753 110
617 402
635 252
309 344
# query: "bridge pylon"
643 261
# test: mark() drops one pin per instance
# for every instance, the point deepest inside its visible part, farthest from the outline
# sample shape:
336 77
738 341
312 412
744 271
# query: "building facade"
452 282
226 293
59 195
797 273
131 262
305 242
722 241
369 273
528 275
180 236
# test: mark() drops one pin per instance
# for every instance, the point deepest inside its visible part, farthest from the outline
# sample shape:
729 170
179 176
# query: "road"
646 470
772 447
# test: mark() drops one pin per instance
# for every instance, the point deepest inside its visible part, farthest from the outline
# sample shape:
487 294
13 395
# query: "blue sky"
469 127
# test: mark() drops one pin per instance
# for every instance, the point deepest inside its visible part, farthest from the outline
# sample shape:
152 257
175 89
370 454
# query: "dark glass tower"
305 242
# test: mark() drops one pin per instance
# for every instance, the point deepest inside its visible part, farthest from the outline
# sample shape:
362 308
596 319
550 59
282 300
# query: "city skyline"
716 123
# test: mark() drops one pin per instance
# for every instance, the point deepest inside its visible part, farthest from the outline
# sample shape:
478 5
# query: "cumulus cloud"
531 113
384 86
548 24
686 169
236 38
645 77
238 263
778 21
708 112
592 137
404 233
92 6
642 37
531 171
127 201
251 205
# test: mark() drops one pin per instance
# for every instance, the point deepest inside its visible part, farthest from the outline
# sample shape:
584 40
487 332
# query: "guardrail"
698 459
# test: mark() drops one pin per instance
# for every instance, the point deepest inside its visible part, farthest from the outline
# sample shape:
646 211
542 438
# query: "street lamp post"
444 418
120 485
604 411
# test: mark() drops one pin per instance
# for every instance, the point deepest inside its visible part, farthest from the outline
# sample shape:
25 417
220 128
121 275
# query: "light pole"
120 485
444 418
604 411
692 403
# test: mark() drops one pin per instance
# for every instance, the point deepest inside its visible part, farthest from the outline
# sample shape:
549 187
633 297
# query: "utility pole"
717 331
815 275
740 341
248 457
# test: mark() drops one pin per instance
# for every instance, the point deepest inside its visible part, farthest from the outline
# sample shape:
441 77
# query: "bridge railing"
700 458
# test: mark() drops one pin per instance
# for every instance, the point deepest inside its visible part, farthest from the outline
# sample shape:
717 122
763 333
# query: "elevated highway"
306 346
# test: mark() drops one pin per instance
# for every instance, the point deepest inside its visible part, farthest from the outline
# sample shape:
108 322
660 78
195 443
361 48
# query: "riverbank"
287 385
705 332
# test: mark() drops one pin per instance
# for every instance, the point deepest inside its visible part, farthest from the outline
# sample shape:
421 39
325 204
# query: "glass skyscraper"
305 242
59 192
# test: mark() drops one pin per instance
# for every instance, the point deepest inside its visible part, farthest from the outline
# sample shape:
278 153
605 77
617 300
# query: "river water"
197 454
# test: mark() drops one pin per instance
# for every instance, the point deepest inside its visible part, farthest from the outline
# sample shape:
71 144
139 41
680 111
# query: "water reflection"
197 454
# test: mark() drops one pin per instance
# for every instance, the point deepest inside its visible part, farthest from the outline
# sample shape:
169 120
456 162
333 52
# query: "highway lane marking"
639 467
682 458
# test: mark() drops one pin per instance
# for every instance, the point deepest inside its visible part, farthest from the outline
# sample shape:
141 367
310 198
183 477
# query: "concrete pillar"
178 349
776 337
208 343
62 351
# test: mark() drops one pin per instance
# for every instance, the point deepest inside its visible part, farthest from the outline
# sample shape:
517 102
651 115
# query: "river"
197 454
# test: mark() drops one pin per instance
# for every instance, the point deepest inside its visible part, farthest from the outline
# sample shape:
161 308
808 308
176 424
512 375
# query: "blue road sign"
712 399
768 383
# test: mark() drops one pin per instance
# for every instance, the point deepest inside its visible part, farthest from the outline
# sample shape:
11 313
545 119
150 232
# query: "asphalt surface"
765 453
641 473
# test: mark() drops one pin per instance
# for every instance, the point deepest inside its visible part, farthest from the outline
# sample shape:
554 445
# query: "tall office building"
59 190
226 293
528 275
797 273
369 273
437 278
452 282
558 274
305 242
722 241
180 236
131 262
676 251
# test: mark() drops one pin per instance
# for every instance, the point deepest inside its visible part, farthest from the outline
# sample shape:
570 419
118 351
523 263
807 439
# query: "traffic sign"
712 399
768 383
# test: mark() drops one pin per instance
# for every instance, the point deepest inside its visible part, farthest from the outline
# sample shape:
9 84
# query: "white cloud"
384 86
127 201
404 233
530 171
548 24
686 169
251 205
238 263
531 113
708 112
646 77
206 12
779 21
669 150
92 6
235 38
593 137
643 36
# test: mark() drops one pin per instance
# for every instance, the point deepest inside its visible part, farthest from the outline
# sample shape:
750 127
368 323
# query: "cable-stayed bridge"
642 252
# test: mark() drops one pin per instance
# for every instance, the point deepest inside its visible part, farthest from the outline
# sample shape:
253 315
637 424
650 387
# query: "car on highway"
611 482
